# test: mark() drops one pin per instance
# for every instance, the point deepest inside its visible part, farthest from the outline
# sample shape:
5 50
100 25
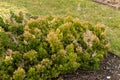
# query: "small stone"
107 68
118 74
108 77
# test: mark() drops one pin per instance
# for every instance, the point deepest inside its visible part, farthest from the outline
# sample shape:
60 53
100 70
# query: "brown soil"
109 70
112 3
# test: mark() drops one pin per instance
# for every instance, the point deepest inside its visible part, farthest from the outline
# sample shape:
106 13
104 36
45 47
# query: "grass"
89 11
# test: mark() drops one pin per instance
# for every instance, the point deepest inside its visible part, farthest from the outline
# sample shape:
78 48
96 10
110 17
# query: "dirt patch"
109 70
112 3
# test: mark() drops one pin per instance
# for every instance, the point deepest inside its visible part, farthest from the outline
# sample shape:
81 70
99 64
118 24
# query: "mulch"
112 3
109 70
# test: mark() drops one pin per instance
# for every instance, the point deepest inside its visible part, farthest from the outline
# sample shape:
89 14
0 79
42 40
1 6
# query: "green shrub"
6 8
19 74
44 48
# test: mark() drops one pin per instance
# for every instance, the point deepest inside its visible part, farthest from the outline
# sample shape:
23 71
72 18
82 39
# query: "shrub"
19 74
46 47
6 8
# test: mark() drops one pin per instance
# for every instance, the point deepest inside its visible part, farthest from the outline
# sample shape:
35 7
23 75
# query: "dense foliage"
6 8
43 48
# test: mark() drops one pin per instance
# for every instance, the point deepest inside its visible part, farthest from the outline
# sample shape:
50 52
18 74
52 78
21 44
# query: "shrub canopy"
43 48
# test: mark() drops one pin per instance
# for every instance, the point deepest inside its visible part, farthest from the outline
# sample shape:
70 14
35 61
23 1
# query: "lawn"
86 10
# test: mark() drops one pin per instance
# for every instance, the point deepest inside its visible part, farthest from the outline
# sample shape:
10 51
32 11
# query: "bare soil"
109 70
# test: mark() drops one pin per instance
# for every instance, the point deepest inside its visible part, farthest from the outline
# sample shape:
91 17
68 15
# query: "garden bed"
112 3
109 70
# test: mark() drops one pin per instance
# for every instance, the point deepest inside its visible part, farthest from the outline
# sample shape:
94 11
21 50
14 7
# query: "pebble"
118 74
107 68
108 77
